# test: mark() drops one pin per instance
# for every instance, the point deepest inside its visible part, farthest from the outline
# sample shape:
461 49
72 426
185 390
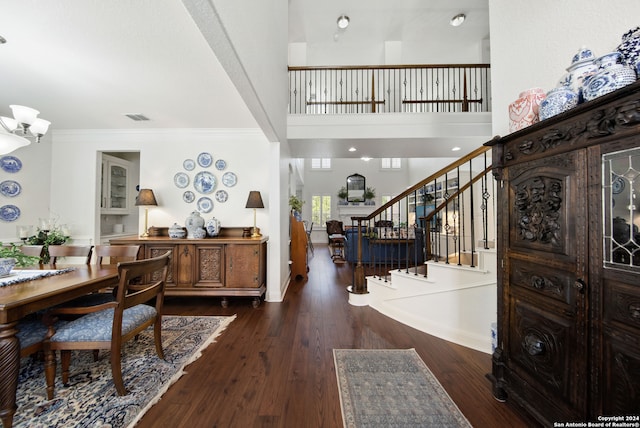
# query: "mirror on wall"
355 188
621 209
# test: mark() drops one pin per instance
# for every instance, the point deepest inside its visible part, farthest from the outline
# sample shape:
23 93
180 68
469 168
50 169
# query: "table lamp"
255 201
145 199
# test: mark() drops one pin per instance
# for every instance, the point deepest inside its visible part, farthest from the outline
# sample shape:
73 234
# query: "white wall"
532 43
34 179
247 152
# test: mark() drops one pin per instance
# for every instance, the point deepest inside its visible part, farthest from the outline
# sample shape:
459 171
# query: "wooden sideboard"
225 266
569 263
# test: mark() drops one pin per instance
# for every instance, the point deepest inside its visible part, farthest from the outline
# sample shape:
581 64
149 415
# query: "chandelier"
17 131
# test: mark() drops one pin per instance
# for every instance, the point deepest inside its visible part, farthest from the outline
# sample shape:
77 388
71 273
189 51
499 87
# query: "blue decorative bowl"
6 264
608 80
558 100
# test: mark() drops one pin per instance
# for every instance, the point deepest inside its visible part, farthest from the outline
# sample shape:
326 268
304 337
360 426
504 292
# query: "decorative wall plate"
181 180
229 179
205 159
188 196
204 182
10 164
221 164
205 205
617 186
9 213
222 196
10 188
189 164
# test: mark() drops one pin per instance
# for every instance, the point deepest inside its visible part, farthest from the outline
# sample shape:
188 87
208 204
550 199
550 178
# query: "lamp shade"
146 198
24 114
11 142
255 200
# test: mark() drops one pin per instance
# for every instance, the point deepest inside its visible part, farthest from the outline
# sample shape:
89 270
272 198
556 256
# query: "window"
320 163
320 209
391 163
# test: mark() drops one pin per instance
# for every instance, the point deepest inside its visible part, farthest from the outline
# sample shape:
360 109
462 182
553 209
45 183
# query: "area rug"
91 399
392 388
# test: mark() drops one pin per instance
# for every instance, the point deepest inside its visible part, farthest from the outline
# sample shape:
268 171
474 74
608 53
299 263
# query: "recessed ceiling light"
455 149
457 20
343 22
365 158
352 149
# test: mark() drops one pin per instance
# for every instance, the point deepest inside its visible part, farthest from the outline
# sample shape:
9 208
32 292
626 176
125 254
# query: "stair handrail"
359 283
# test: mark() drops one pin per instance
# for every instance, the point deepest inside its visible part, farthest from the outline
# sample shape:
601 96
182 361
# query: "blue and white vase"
558 100
611 76
581 69
630 47
213 227
193 223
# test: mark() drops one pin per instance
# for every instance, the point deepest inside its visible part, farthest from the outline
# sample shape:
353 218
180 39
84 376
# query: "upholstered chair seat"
98 326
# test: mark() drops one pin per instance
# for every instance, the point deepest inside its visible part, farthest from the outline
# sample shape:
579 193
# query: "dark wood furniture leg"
10 366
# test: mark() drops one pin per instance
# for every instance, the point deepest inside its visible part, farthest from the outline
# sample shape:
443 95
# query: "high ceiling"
86 63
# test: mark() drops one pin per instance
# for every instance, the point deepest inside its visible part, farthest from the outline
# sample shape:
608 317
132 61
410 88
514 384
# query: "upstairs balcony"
417 110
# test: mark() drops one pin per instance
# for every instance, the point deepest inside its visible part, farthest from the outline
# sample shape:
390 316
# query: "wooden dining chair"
84 251
111 324
116 253
32 250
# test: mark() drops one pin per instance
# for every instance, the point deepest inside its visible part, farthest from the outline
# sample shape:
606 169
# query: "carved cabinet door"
544 284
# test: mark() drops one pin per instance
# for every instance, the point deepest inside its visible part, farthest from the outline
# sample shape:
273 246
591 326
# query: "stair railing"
443 218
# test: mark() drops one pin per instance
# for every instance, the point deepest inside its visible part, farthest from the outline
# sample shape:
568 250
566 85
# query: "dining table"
59 284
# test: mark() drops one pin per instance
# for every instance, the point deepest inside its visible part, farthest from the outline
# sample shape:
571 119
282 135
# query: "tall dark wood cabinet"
569 263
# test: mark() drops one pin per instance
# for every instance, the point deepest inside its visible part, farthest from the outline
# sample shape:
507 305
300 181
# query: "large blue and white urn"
612 75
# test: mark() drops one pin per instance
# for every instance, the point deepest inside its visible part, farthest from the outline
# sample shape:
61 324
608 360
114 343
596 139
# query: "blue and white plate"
10 164
204 182
222 196
229 179
9 213
10 188
181 180
205 159
205 205
189 164
221 164
188 196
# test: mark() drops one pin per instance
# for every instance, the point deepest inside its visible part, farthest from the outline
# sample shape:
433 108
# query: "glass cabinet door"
621 209
118 188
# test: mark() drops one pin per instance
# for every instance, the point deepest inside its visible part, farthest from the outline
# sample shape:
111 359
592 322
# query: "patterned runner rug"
91 399
392 388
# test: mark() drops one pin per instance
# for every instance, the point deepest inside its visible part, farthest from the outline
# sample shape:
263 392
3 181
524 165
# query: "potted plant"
369 194
342 196
10 256
296 206
46 238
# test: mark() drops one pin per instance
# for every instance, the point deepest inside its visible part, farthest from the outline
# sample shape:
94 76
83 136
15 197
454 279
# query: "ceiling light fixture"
455 149
457 20
343 22
16 132
365 158
352 149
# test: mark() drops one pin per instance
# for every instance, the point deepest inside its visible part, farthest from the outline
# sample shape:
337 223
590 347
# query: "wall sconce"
255 201
145 199
24 125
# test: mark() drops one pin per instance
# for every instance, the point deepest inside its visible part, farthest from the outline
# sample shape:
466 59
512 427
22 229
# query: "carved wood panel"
544 280
158 250
622 378
210 270
541 343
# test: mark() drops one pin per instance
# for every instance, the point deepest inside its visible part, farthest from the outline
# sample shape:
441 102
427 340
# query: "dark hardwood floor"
273 366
